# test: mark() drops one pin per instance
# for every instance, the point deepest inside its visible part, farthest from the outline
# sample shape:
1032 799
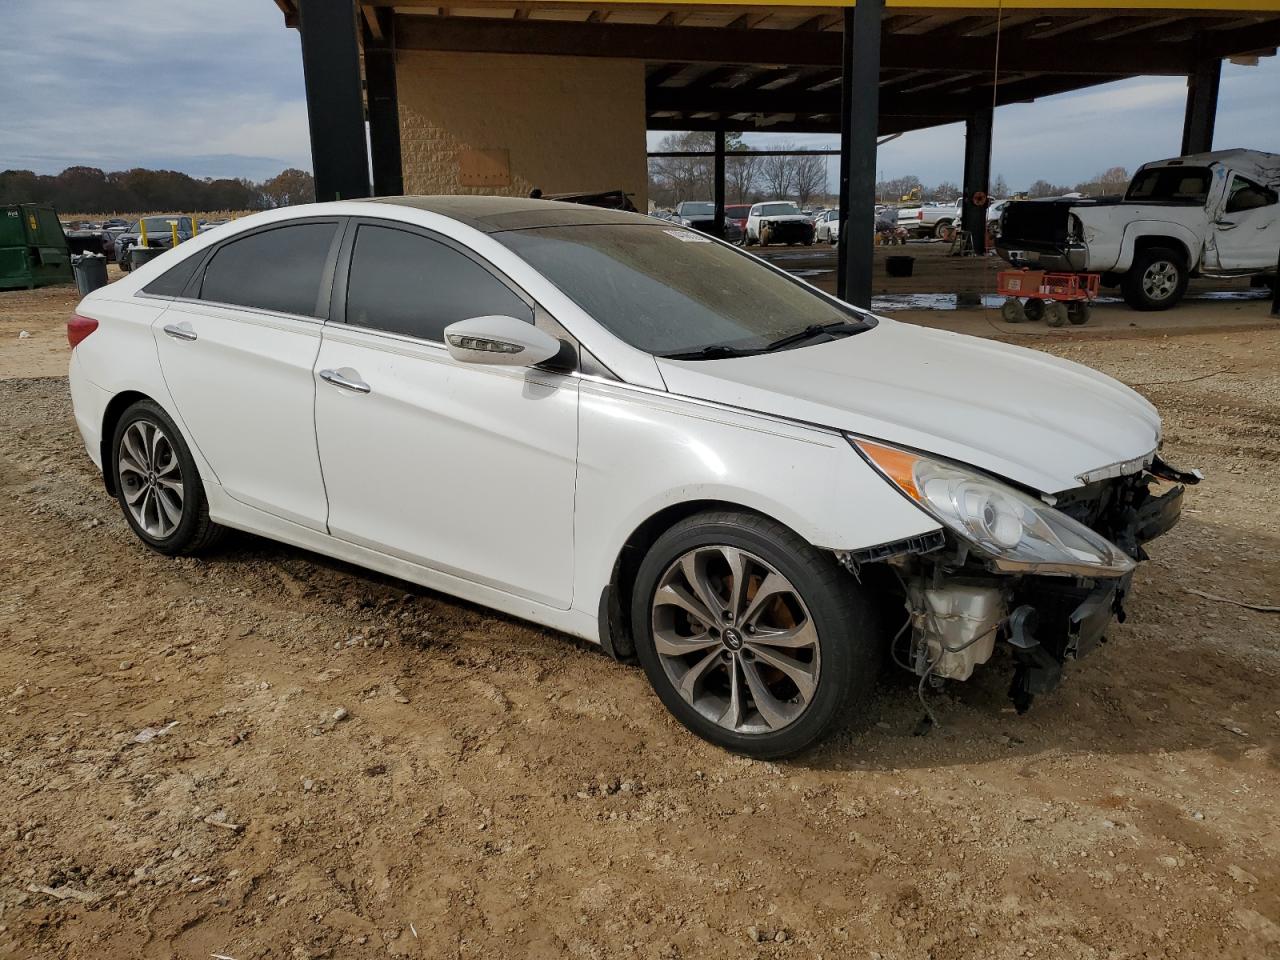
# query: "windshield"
738 211
691 209
1189 185
778 210
672 291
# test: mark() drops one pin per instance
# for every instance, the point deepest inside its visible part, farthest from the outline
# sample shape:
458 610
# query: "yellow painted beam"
978 6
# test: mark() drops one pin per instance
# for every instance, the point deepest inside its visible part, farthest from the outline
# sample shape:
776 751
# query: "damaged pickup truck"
1207 214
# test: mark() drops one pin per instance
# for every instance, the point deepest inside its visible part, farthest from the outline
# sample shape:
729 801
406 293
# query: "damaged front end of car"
1046 574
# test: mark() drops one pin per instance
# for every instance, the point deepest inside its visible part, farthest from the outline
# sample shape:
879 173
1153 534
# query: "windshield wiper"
717 351
817 329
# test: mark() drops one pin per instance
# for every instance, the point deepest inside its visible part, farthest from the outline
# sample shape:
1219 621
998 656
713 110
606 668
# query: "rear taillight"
78 328
920 215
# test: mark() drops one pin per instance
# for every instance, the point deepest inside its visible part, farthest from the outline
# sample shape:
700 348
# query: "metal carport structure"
867 70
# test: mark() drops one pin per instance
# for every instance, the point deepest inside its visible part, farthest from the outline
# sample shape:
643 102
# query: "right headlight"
1017 533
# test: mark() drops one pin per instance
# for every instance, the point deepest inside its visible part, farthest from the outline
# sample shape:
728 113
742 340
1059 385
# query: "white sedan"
629 432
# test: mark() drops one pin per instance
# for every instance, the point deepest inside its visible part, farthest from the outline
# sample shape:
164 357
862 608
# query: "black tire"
1148 284
1034 309
1079 312
124 263
940 228
194 531
848 647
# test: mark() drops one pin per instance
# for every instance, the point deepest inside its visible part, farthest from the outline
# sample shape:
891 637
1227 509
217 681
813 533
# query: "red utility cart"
1058 298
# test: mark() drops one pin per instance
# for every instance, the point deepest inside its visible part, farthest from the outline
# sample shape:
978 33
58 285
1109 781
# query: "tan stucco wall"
568 124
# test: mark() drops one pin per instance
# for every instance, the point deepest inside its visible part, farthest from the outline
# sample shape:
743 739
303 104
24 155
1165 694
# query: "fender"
1139 229
677 451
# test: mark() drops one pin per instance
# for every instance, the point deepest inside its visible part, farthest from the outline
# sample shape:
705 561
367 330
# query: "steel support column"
384 107
859 126
977 175
1202 107
718 186
335 109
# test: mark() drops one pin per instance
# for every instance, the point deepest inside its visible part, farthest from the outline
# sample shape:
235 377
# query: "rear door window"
278 269
406 283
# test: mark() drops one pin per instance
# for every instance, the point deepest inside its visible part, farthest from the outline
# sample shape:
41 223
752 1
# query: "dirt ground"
351 767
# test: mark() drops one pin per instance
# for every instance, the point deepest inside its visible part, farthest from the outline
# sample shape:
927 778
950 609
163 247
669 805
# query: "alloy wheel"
151 478
1160 279
735 639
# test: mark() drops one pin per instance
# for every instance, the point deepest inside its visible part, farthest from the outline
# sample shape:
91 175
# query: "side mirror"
503 341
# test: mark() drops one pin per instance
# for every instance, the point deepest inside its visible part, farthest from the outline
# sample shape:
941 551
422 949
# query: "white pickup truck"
929 219
1211 214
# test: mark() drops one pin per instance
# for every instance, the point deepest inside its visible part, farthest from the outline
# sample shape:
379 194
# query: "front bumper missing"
959 607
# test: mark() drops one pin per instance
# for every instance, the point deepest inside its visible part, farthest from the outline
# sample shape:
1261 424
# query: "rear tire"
940 229
763 679
158 485
1156 281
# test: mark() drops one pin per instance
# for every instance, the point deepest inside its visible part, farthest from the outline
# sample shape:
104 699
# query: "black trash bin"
899 266
138 255
91 272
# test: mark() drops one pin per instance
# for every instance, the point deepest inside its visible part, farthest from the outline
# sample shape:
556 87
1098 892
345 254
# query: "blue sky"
214 88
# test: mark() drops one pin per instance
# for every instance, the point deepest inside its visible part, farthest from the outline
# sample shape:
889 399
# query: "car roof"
496 214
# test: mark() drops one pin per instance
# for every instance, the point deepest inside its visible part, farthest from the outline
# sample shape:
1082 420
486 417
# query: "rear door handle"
180 331
346 383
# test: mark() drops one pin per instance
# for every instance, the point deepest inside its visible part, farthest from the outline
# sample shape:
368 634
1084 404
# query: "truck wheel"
940 229
1156 281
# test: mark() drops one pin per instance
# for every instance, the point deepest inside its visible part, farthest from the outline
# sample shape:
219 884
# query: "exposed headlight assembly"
1015 532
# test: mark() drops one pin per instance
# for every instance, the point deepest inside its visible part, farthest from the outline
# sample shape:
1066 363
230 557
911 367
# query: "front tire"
754 639
158 485
1156 281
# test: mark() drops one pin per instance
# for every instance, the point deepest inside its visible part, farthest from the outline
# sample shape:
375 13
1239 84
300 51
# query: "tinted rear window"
277 270
1188 185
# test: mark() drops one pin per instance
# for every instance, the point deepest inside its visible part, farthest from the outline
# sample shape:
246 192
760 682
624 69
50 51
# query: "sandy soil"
351 767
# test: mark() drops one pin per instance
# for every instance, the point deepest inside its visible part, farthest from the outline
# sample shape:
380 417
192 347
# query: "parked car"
701 215
83 236
778 221
930 219
738 213
827 227
1216 214
159 234
547 409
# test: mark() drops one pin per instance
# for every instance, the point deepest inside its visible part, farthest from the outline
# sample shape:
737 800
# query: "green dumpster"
33 248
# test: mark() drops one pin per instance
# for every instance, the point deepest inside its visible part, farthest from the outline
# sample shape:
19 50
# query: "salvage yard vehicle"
778 221
827 227
929 220
629 432
159 232
1207 214
701 215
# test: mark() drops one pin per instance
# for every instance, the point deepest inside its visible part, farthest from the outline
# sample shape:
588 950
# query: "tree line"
803 177
89 190
799 176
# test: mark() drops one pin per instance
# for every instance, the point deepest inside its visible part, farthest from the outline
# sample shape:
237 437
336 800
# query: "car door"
237 352
464 468
1246 234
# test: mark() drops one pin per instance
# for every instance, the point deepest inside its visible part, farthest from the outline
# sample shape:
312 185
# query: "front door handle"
1224 224
180 331
346 383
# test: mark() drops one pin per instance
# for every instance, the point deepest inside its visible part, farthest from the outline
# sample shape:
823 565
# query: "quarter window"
278 270
173 281
409 284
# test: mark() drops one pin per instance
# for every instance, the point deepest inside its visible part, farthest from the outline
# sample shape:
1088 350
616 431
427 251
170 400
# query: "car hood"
1021 414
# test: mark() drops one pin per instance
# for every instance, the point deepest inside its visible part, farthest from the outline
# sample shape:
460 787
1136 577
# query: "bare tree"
777 175
999 187
741 175
809 176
